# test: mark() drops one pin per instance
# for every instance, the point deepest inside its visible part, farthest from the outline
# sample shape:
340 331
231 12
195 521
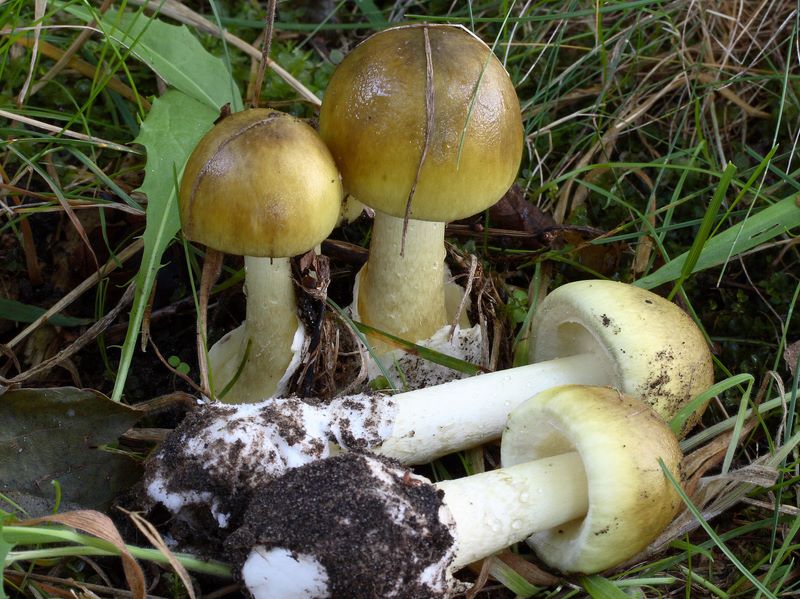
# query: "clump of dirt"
208 468
373 525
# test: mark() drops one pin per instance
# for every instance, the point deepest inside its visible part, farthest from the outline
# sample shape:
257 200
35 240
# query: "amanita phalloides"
260 184
583 473
594 332
424 124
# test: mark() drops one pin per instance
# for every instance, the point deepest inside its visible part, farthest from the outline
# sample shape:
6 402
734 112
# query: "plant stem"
88 545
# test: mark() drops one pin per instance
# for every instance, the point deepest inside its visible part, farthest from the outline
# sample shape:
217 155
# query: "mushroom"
584 477
595 332
590 332
263 185
426 115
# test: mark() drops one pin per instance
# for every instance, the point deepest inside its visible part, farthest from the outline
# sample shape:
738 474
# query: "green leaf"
170 132
777 219
173 53
5 547
601 588
173 127
14 310
511 579
704 231
57 434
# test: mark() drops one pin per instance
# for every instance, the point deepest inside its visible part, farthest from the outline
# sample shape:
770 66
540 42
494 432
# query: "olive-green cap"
374 117
260 183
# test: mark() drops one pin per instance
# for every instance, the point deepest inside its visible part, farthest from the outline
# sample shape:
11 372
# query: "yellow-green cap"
622 443
374 119
260 183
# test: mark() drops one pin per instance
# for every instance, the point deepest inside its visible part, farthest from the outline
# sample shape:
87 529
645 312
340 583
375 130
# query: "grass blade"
14 310
693 255
775 220
601 588
713 535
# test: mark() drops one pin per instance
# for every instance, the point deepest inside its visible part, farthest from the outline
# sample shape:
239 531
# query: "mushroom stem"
404 294
496 509
270 332
435 421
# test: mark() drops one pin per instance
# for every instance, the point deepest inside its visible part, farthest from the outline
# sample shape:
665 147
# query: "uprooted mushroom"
583 473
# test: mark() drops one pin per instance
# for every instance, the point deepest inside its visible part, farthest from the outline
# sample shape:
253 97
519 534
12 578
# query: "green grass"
669 127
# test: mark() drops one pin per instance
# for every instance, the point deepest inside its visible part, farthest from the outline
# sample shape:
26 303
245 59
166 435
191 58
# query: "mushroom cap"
260 183
654 350
620 441
374 119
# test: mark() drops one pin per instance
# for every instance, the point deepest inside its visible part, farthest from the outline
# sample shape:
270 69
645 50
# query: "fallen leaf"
791 354
57 434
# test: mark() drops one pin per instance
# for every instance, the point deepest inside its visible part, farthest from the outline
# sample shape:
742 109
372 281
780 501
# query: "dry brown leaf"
528 570
102 527
482 569
790 355
150 532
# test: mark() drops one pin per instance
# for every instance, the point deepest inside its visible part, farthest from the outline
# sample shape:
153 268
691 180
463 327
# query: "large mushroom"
596 332
425 125
260 184
590 332
584 477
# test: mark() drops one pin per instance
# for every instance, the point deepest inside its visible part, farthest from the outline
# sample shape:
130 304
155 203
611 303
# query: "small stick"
429 114
265 48
112 264
212 266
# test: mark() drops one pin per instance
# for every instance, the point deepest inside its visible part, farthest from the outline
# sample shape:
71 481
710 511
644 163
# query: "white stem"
270 329
438 420
496 509
404 295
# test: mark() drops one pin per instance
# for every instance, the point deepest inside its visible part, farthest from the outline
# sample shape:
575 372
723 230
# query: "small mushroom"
263 185
590 488
426 114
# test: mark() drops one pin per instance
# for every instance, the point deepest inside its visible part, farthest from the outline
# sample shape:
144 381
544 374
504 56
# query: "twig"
265 48
90 334
212 266
174 371
113 263
429 114
184 14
